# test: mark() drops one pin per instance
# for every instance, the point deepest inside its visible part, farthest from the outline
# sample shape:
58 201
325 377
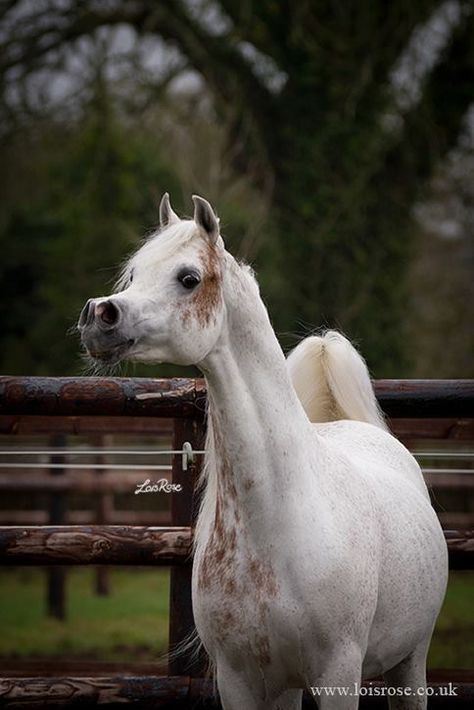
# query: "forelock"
161 244
165 242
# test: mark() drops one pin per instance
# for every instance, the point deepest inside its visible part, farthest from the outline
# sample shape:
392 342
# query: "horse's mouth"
113 355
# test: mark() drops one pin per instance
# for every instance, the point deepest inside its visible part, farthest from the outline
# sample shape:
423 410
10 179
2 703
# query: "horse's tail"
332 381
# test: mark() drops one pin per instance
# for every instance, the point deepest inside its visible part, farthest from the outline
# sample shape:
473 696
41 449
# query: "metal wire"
159 467
443 454
94 452
448 470
187 453
169 452
90 466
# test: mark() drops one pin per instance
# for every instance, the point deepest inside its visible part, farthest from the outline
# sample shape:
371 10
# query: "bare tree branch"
432 127
219 60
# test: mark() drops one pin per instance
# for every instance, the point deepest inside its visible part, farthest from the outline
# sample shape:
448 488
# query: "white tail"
332 380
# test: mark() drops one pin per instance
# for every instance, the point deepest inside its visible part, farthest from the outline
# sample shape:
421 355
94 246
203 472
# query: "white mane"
207 485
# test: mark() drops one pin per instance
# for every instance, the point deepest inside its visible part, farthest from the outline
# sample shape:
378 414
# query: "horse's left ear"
205 217
167 214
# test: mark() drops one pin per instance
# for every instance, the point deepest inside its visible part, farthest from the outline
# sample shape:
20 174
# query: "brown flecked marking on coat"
216 563
230 570
247 484
225 477
207 296
185 312
225 622
263 576
262 650
230 586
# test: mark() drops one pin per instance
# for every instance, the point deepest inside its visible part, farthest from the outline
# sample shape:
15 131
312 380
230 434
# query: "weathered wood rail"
94 544
426 398
92 396
441 409
176 692
134 545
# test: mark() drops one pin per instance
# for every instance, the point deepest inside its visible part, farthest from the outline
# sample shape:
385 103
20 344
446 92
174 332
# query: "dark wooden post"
56 576
104 506
181 622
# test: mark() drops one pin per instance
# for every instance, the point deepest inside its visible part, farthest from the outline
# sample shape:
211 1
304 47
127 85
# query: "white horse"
319 560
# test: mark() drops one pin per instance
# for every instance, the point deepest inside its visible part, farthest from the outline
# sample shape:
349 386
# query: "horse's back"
372 451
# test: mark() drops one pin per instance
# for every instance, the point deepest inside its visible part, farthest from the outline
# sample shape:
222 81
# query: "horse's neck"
257 424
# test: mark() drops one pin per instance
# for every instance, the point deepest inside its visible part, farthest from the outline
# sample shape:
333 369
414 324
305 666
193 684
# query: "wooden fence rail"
94 544
129 545
176 397
92 396
181 691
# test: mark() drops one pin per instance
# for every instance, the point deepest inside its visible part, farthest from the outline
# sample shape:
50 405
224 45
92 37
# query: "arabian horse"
318 559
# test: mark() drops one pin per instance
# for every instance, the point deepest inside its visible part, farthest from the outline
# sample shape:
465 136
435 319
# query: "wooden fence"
442 409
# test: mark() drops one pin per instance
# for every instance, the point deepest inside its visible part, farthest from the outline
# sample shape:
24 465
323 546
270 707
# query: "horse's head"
169 307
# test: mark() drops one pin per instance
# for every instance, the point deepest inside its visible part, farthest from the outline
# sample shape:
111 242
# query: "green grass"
453 640
132 622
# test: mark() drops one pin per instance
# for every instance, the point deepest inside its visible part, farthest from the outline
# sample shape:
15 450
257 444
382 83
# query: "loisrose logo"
160 486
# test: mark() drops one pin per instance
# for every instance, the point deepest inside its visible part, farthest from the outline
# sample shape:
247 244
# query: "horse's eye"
130 277
189 279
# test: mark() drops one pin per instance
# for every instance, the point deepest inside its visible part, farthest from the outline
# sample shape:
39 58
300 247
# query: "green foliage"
66 244
342 251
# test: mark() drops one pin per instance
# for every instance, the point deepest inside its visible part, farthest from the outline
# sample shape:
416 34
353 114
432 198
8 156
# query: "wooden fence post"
56 576
104 506
183 511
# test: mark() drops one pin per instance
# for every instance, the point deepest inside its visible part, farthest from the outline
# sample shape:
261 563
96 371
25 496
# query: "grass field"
129 624
132 622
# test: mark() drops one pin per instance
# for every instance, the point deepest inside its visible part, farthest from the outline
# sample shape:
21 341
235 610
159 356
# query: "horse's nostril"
107 312
86 314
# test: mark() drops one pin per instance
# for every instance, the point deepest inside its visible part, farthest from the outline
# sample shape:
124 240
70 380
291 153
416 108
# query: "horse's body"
318 558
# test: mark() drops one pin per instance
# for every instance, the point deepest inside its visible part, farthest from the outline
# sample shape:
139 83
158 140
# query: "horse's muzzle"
101 332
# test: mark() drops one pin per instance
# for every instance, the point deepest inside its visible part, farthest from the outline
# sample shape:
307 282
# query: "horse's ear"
167 214
205 217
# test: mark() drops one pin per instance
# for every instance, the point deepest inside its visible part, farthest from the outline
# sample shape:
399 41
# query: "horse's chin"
112 356
137 352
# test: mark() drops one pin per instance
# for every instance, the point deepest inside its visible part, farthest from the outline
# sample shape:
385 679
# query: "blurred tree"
306 92
81 220
441 273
